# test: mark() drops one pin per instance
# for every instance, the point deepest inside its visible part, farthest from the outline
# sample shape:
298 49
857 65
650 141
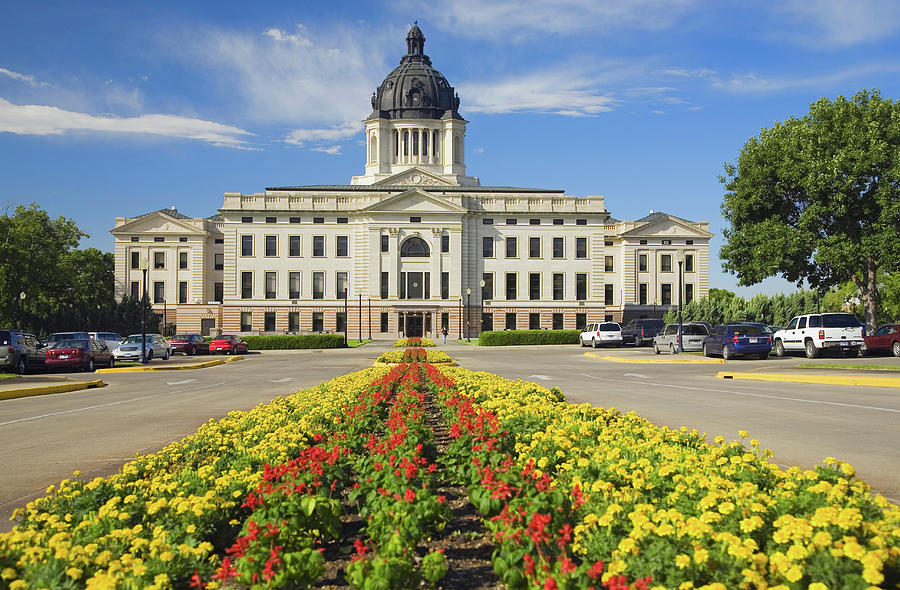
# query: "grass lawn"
8 376
354 343
849 366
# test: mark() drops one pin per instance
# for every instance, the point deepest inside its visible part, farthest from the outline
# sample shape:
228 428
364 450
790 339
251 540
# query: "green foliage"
294 341
518 337
722 307
817 199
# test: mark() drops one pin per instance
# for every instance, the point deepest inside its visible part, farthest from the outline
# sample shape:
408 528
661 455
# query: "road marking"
282 380
636 375
544 377
124 401
182 382
781 397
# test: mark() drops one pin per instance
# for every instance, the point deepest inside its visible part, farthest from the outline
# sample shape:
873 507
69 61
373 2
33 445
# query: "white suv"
601 334
815 332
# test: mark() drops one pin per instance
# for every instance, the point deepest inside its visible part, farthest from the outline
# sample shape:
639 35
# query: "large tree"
817 198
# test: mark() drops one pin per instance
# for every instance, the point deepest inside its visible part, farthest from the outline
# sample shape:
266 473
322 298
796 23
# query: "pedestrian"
444 334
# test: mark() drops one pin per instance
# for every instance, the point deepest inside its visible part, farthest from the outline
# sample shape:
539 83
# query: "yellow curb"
815 379
47 389
202 365
661 361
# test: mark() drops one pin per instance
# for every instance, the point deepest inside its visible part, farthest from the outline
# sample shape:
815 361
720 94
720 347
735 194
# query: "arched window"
424 142
415 247
396 146
373 148
415 150
406 143
437 147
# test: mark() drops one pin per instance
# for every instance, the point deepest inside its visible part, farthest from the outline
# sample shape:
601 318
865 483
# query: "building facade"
411 245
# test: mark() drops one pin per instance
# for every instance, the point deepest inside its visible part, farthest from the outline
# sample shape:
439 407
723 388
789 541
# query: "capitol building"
412 244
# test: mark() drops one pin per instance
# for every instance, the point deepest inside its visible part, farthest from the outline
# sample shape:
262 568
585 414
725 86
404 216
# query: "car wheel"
581 341
192 351
233 351
112 361
811 350
705 350
21 365
725 354
166 356
90 365
672 348
595 344
895 348
779 348
655 348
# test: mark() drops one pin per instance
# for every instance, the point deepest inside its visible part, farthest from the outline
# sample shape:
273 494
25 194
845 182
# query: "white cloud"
27 78
751 83
834 24
684 73
334 150
285 37
49 120
345 130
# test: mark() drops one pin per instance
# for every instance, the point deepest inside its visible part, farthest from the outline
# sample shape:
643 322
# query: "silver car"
111 339
130 348
692 336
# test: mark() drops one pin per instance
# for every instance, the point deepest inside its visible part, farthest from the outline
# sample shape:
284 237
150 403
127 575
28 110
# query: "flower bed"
413 342
415 355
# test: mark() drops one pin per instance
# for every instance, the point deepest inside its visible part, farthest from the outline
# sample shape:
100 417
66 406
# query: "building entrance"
415 323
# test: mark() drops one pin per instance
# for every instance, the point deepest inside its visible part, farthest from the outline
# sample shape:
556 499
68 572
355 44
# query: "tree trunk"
868 292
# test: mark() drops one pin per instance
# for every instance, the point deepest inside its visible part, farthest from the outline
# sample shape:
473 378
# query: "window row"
665 294
665 263
251 219
531 221
535 248
510 321
270 246
414 246
535 287
159 259
158 292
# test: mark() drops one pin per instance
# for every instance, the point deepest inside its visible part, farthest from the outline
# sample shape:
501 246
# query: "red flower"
596 570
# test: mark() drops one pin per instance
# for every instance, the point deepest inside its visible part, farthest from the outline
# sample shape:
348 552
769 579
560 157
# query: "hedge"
294 341
516 337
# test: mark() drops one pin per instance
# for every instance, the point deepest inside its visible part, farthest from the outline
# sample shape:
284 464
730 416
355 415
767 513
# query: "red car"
189 344
885 339
228 344
82 354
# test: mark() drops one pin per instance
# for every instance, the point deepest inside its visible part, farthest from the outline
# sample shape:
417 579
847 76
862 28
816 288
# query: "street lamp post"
680 258
468 313
144 264
481 308
22 310
346 290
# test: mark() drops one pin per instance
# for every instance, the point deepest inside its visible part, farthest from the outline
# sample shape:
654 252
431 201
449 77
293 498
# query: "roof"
376 188
653 217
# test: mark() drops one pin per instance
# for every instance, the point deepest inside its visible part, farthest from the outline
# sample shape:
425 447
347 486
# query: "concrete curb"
47 389
862 380
660 361
202 365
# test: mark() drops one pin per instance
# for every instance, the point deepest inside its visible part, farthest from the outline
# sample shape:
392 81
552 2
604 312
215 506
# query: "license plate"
754 340
63 356
845 343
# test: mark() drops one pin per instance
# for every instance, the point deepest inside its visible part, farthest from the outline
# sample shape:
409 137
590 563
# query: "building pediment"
415 177
158 223
667 226
415 201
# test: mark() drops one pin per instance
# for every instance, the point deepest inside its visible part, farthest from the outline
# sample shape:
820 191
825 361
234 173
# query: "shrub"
294 341
518 337
414 341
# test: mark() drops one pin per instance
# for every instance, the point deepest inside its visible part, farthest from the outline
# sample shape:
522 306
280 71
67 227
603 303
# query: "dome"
415 90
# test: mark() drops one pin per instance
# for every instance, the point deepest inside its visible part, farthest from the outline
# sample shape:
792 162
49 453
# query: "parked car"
227 343
692 336
885 339
82 354
130 349
57 336
767 329
601 334
189 344
20 351
640 331
111 339
741 339
815 332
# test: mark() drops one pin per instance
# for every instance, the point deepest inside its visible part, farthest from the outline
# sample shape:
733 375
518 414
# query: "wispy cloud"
333 150
27 78
49 120
835 24
752 83
340 132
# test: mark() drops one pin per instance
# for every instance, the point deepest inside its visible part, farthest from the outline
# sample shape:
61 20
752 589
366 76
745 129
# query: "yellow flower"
682 561
74 573
817 586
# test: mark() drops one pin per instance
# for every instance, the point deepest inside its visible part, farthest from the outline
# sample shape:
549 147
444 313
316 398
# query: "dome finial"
415 40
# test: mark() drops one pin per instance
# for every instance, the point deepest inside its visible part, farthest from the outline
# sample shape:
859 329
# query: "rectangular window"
487 321
665 263
385 277
318 286
608 294
510 321
534 247
689 263
581 222
269 321
487 221
343 220
580 321
135 239
293 245
445 285
340 320
219 240
218 261
445 321
159 260
511 247
511 221
294 285
295 220
642 294
581 248
159 291
557 321
581 286
246 285
270 285
487 291
246 321
510 286
271 245
608 263
688 293
342 246
246 245
402 285
159 239
534 286
643 242
642 262
385 241
534 221
534 321
608 243
341 284
487 247
559 247
218 292
318 220
445 243
135 259
182 291
384 322
667 242
689 242
666 293
246 220
415 220
558 286
319 246
135 290
270 220
318 321
293 321
182 260
557 222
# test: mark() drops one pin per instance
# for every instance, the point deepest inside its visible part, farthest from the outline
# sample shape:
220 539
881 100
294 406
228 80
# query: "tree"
817 199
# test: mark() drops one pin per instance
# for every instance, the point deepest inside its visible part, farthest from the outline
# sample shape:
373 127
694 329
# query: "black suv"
20 350
640 331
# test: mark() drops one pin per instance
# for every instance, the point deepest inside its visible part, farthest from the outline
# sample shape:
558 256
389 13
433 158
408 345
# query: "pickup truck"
816 332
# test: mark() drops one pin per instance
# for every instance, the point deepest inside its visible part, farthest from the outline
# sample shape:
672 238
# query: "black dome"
415 90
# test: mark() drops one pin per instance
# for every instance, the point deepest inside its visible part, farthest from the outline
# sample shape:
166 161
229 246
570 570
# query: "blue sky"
119 108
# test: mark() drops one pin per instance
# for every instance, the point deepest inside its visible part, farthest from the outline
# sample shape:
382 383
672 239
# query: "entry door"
413 325
207 325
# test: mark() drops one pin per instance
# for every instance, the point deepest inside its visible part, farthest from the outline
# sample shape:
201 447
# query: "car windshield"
180 337
62 336
136 339
839 320
225 338
609 327
747 330
71 344
694 330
